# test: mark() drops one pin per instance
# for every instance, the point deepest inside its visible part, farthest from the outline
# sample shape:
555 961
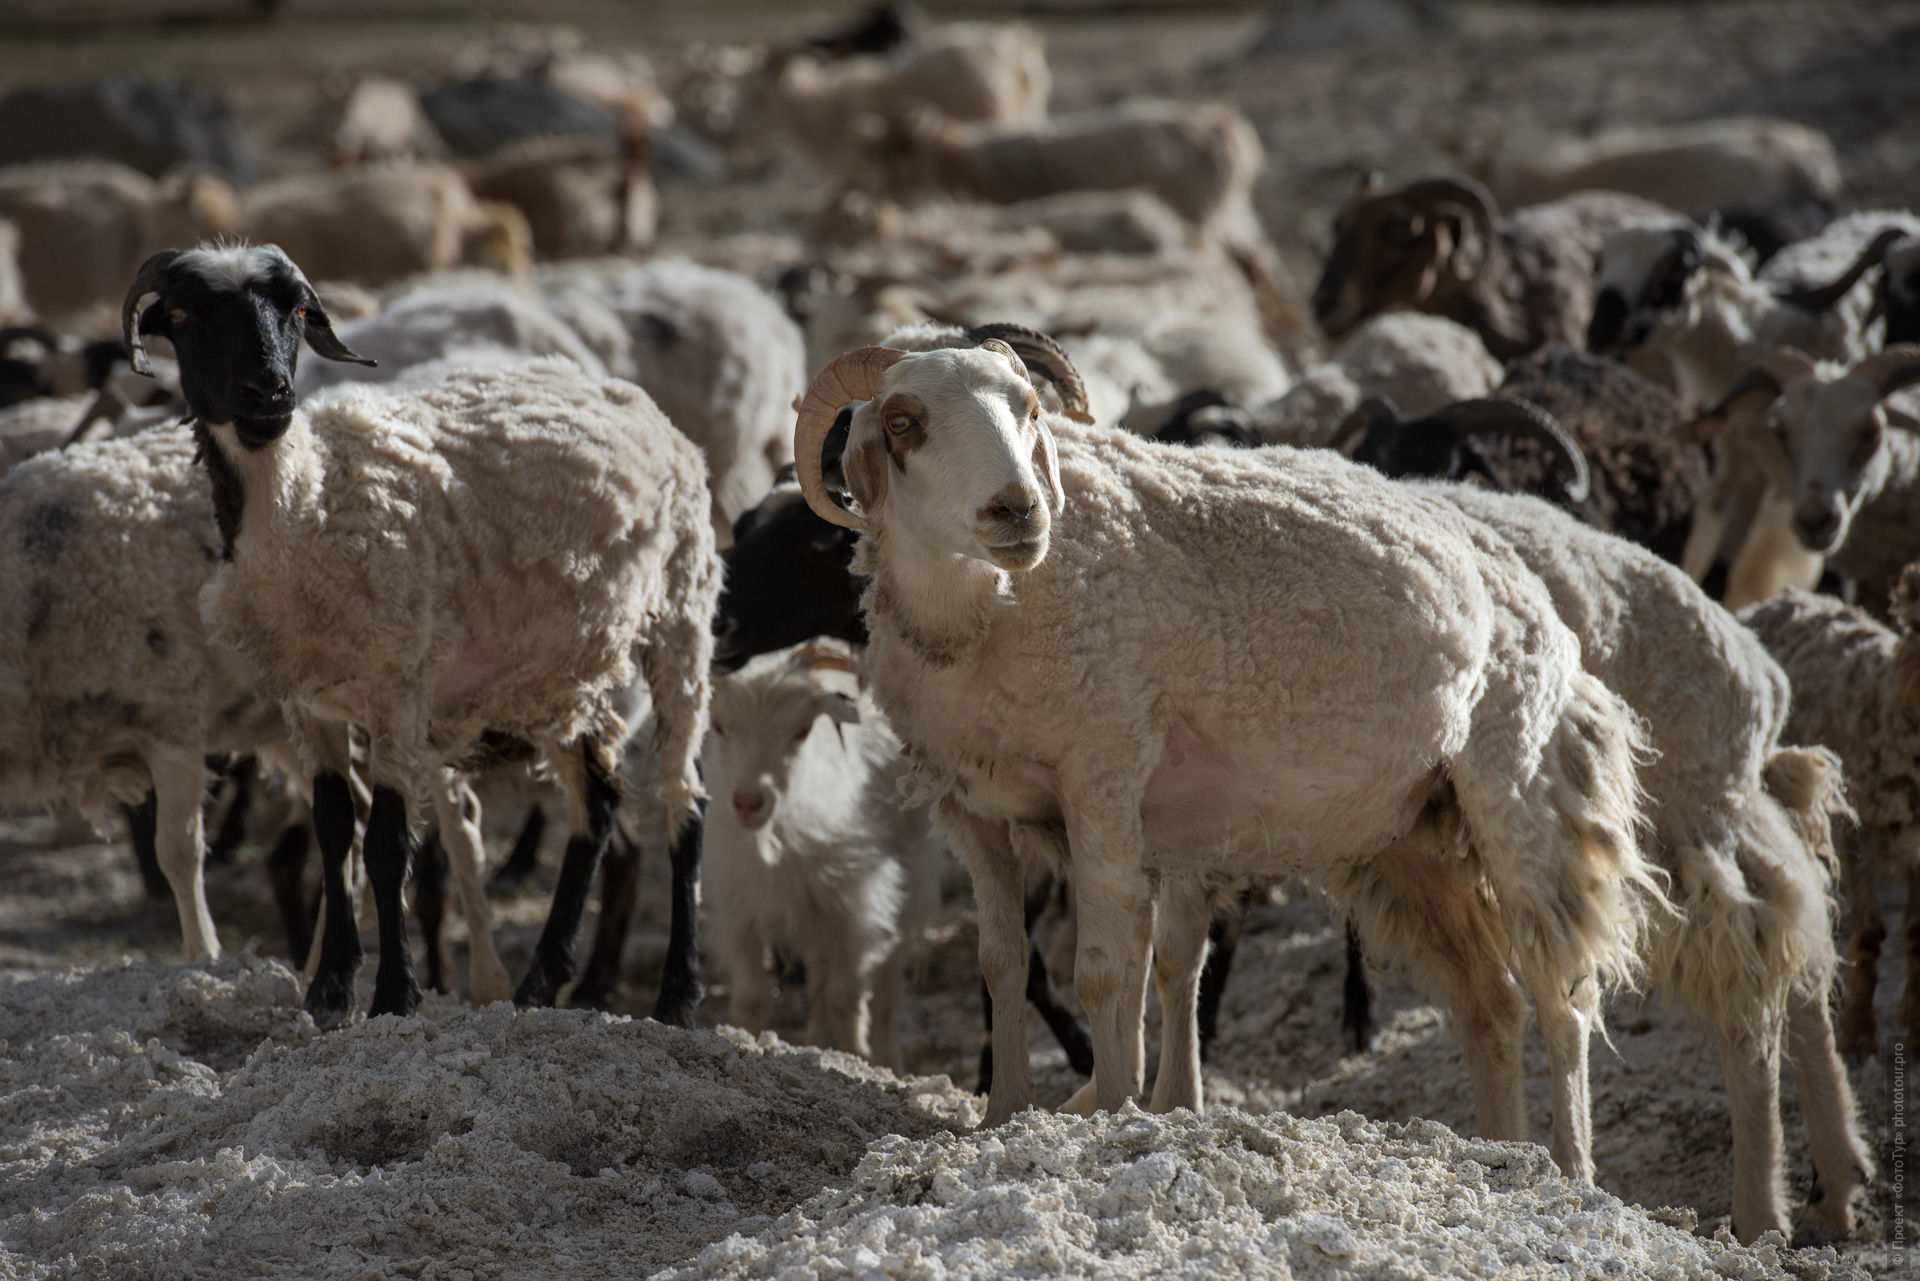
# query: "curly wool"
1066 682
481 554
104 660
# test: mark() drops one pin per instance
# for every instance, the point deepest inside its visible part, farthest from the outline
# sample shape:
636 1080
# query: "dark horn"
1817 298
1479 207
146 281
1523 420
1044 356
1369 413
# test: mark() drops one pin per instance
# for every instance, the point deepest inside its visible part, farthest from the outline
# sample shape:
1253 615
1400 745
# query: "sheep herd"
1536 578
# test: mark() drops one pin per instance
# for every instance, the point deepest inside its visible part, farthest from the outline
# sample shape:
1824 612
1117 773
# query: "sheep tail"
676 660
1810 783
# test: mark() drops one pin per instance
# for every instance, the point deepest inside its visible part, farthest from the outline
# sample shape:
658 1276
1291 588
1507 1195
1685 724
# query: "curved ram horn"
1817 298
1369 413
1045 357
1523 420
1891 369
1772 374
1475 202
854 376
146 281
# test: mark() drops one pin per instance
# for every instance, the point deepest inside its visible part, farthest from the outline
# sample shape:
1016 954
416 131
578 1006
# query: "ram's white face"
954 453
1834 433
762 717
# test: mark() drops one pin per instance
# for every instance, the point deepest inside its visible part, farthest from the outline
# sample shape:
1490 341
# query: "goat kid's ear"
840 708
1046 462
320 335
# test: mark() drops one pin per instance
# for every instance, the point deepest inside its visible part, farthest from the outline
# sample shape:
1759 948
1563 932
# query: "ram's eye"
801 736
178 316
301 311
899 425
719 730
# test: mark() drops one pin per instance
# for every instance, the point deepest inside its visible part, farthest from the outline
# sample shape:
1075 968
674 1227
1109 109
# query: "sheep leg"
591 800
1223 939
387 850
331 987
233 824
1566 1025
1840 1159
1180 936
680 990
1418 908
998 885
619 888
838 996
888 980
525 858
430 908
1113 912
1867 931
141 821
457 811
1356 998
286 872
179 783
1750 1058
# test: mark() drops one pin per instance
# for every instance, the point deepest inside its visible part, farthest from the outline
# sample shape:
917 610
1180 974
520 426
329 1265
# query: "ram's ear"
1046 462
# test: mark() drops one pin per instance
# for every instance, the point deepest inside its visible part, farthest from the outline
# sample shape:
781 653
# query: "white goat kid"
1142 661
815 857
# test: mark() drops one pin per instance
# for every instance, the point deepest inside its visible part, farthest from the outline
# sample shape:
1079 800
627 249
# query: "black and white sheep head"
764 714
235 315
1832 427
947 447
1646 269
1408 247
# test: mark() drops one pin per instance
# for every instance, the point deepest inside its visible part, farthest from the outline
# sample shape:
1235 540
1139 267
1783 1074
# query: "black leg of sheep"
142 821
331 990
680 990
286 872
552 966
431 873
389 851
619 887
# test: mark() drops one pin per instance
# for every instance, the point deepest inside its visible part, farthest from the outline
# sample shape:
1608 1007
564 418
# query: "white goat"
815 857
1072 688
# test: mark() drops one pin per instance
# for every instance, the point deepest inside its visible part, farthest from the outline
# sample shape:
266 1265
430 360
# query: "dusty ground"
1660 1118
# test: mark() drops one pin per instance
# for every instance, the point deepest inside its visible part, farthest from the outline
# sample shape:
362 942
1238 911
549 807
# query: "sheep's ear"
1046 461
320 336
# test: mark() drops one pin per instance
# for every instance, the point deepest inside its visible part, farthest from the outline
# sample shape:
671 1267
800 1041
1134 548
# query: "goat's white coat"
842 874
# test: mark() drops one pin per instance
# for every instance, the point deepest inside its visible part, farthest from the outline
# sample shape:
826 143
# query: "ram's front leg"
1113 904
1000 901
592 797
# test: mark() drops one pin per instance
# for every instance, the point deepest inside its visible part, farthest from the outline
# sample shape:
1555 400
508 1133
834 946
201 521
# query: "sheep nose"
268 388
1015 504
750 808
1816 526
